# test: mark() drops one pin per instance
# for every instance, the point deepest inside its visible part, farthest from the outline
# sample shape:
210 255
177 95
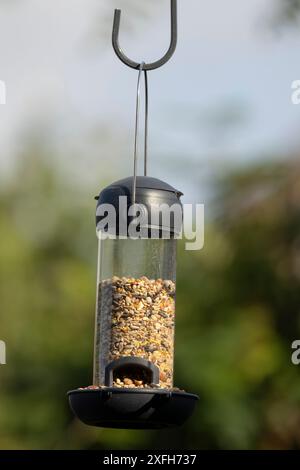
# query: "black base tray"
132 408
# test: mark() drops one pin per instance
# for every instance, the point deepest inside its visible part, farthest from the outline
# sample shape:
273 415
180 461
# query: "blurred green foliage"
288 11
238 310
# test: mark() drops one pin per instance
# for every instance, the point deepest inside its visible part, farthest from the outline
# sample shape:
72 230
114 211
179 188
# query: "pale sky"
61 72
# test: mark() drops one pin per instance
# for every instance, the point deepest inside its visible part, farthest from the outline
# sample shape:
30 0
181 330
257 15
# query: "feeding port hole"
131 371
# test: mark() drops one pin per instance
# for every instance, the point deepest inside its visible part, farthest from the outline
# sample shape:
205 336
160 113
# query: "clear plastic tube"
135 313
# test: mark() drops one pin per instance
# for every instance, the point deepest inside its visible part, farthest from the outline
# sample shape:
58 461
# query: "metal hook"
153 65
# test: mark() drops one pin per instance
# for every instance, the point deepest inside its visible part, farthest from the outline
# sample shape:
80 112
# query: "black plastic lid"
150 193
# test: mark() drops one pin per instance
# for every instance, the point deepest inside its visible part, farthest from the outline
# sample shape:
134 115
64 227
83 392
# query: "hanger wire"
142 71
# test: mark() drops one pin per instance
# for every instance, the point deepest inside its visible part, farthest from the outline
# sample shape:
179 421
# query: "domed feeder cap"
150 195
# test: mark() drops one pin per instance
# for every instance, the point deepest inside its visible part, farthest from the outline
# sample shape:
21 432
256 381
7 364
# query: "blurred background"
224 131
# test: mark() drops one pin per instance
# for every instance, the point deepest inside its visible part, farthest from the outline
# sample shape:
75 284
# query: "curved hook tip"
117 15
116 26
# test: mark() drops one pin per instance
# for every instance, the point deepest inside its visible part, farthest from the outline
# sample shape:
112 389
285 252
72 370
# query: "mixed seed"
135 317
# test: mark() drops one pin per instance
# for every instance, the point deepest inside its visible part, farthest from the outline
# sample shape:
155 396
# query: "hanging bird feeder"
135 308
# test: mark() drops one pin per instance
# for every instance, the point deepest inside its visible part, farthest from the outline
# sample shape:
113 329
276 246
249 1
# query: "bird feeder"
135 303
